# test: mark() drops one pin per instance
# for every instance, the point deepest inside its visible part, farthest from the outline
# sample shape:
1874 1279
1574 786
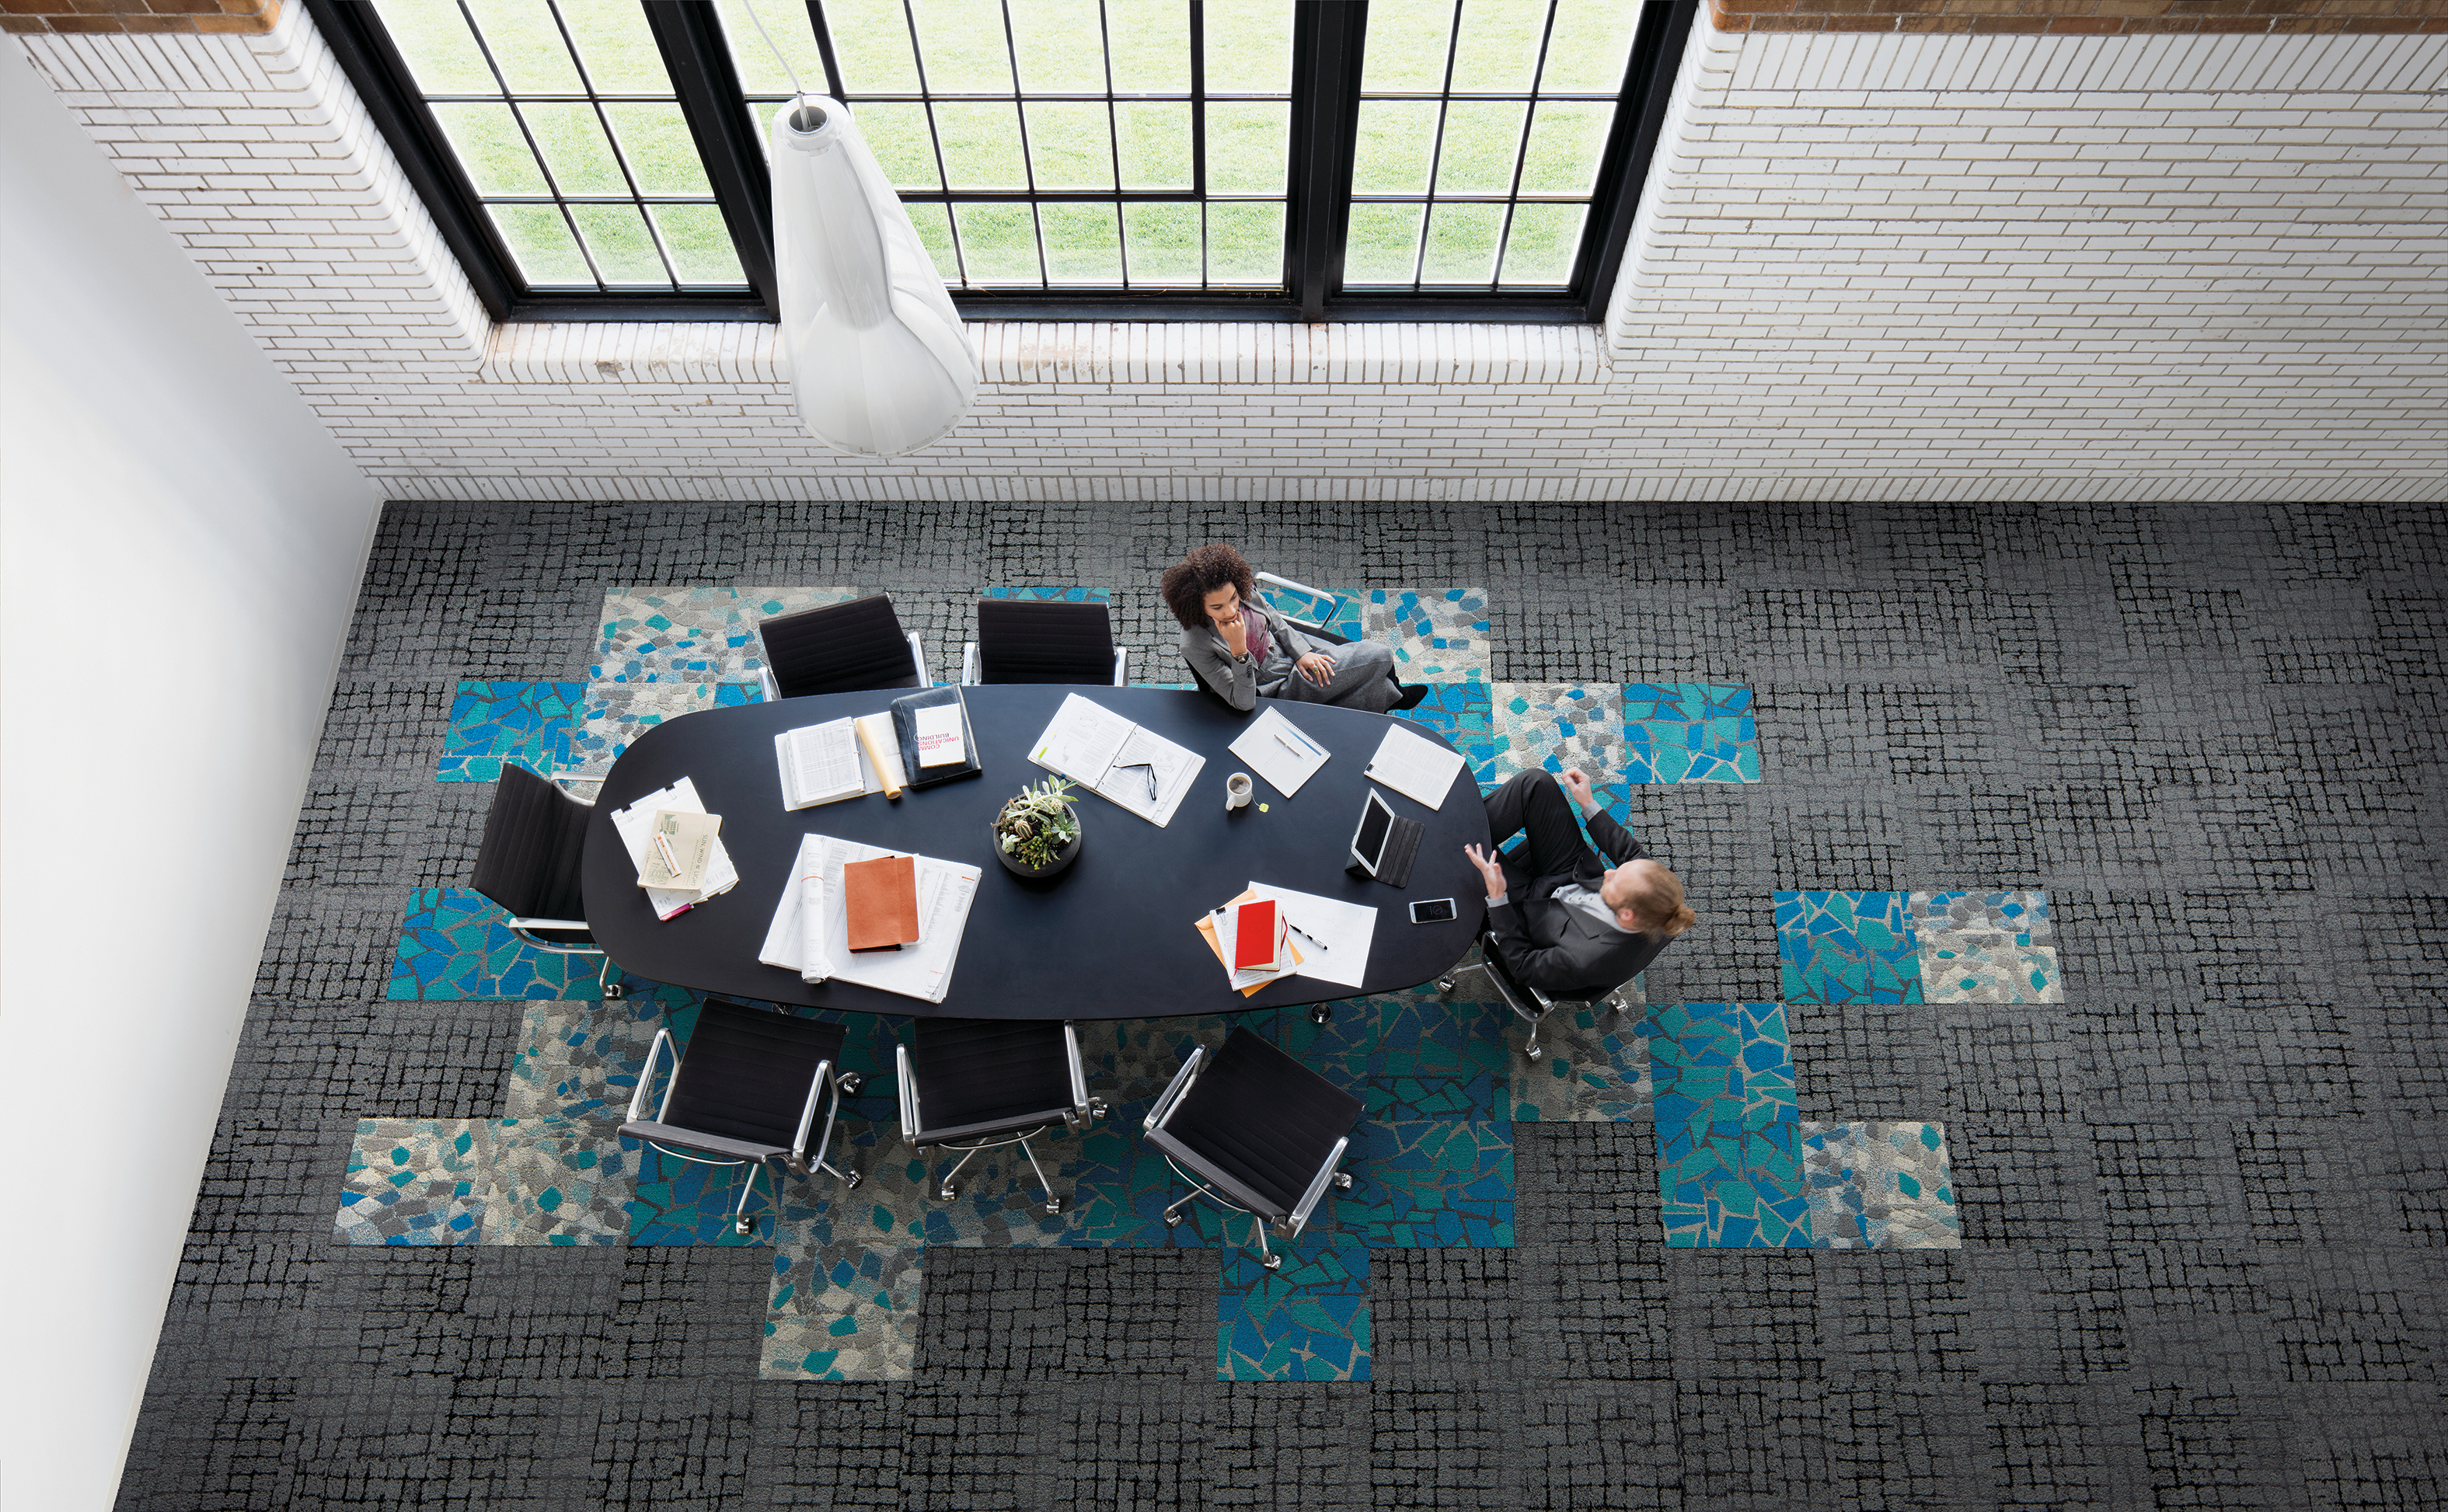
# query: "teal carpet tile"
1408 1055
1729 1152
1846 947
1338 613
686 1202
455 946
1436 634
1558 727
1463 714
1986 946
1690 732
579 1061
1429 1184
530 724
1049 593
1880 1186
1308 1321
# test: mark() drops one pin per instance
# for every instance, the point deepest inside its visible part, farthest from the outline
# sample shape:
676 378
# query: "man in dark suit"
1565 921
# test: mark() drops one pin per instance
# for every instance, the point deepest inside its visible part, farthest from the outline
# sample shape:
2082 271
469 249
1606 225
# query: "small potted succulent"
1037 835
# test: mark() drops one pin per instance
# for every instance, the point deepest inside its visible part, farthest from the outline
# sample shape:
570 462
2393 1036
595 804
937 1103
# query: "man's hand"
1576 784
1490 871
1317 667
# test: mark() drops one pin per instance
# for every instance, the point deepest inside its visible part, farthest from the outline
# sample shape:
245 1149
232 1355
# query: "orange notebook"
880 902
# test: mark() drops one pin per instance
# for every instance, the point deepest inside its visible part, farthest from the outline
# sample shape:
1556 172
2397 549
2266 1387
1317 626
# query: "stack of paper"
811 929
636 827
1279 751
1417 769
1222 935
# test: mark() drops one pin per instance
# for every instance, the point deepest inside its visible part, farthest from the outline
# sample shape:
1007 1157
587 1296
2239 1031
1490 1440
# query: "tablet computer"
1368 841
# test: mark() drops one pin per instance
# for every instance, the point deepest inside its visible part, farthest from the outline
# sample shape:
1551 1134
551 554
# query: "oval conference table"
1113 937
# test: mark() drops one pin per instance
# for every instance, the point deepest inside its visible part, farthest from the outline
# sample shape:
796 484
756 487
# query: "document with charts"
945 890
1123 763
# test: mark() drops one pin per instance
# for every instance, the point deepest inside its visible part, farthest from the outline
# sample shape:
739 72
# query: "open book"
825 763
1121 762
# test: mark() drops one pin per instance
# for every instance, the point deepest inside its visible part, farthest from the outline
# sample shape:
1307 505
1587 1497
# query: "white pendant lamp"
879 362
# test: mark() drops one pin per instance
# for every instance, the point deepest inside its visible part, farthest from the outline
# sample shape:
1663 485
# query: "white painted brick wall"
1866 266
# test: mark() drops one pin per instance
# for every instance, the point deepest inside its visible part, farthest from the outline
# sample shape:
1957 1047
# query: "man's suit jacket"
1558 948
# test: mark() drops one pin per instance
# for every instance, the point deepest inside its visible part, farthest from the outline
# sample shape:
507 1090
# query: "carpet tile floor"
2041 1114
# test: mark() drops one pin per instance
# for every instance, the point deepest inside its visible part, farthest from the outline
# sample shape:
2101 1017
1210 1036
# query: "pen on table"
1288 745
1306 935
1305 739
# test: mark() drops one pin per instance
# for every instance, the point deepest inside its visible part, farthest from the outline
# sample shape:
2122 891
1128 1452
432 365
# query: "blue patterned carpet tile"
1338 613
1428 1183
1690 732
529 723
686 1202
1728 1161
1848 947
1880 1186
1306 1322
843 1304
1134 1060
1436 634
551 1181
1463 713
1049 593
1558 727
414 1181
1120 1189
579 1061
704 633
1986 946
455 946
1409 1054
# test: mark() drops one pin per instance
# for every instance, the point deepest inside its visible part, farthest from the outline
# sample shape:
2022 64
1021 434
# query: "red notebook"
1255 935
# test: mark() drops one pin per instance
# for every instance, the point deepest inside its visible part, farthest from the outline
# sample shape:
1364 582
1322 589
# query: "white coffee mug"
1236 792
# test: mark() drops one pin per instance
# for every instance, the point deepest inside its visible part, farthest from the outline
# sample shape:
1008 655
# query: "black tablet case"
1403 837
905 728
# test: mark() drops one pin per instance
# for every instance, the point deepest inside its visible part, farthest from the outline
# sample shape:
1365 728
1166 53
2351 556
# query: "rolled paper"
875 759
815 964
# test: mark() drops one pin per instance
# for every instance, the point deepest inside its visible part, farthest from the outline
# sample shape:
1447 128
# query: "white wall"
1866 265
181 544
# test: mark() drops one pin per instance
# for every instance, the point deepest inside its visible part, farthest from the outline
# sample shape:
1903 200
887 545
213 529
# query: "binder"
905 729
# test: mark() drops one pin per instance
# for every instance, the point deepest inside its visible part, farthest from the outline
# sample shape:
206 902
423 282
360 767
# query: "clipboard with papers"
1128 765
814 942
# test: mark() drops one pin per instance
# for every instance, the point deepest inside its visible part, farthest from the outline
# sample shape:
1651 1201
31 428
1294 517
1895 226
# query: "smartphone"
1432 910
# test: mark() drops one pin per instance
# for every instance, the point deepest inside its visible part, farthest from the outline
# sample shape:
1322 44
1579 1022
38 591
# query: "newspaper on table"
809 928
636 827
1126 764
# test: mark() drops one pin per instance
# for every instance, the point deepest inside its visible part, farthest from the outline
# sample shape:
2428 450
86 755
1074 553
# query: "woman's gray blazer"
1243 684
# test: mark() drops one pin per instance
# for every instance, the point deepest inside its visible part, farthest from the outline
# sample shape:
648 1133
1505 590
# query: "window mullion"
1327 44
724 129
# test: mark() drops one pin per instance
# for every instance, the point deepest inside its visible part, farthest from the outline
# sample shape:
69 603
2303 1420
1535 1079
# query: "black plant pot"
1061 862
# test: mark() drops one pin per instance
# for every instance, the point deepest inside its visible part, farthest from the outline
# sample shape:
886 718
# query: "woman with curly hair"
1246 651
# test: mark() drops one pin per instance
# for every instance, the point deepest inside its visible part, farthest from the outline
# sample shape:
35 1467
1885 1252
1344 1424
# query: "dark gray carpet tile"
1444 1445
2047 1312
1434 1314
831 1443
1900 1442
979 1447
997 1315
2025 1184
2167 1178
1866 633
1139 1313
334 1063
1833 834
1952 733
1135 1447
355 832
2055 1444
2400 1043
1746 1313
2359 1312
1864 1060
1295 1446
1885 1315
2000 1063
1750 1441
330 945
655 1443
2407 623
386 726
2202 1308
2359 1447
1586 1445
689 1313
2408 1171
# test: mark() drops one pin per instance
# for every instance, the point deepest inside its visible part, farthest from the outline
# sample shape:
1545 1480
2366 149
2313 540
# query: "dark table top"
1112 938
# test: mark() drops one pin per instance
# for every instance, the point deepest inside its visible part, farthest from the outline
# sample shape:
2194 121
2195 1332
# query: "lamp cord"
793 73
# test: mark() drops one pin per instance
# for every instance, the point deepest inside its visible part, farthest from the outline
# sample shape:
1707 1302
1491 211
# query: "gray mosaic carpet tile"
1558 727
1880 1186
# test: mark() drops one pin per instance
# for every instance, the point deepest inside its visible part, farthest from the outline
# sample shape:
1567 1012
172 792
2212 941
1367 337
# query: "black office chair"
1256 1132
1527 1003
979 1083
1026 641
528 863
746 1095
839 648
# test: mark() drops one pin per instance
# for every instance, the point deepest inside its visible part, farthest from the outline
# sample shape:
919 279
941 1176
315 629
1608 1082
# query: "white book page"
937 729
1418 770
819 764
1080 740
1169 768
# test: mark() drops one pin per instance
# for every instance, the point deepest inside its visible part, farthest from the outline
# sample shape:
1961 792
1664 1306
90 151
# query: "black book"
905 728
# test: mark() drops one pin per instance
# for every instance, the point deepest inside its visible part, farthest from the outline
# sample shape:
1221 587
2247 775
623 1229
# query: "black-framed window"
1061 159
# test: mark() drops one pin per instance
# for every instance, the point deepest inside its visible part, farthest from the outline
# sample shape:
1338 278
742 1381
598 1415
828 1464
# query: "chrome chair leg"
1044 1184
610 989
944 1190
740 1221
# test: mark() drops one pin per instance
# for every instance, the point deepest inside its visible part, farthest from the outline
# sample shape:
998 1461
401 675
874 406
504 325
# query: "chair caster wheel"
849 1081
744 1227
849 1182
1534 1052
947 1192
1173 1220
1322 1013
1343 1180
1053 1206
1096 1107
613 993
1445 984
1274 1262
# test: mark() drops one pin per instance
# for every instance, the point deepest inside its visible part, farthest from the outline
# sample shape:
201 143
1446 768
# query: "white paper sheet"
636 827
816 962
1333 935
938 732
1094 747
1081 739
1420 770
923 970
1279 751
